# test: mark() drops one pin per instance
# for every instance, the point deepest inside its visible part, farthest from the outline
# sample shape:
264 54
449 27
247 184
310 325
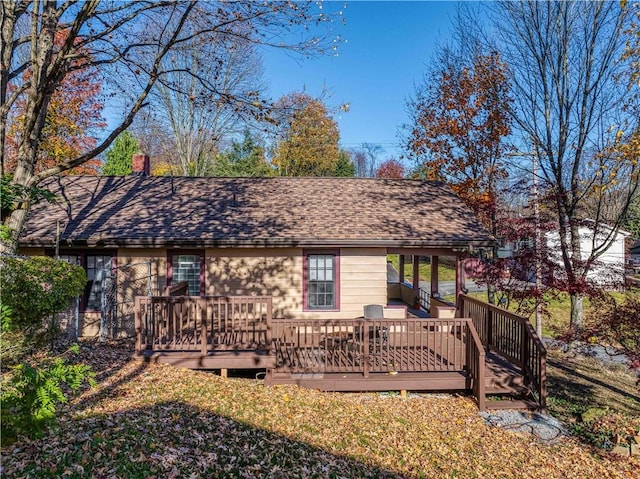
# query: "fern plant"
33 391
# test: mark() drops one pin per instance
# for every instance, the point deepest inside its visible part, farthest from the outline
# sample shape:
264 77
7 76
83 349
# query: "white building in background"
609 267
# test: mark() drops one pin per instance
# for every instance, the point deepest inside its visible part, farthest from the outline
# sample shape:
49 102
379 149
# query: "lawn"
556 311
445 272
163 421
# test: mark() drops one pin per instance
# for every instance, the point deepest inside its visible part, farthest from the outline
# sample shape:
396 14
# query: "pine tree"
344 166
119 156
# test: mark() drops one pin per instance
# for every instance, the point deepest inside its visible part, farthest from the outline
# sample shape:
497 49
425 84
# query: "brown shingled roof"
186 211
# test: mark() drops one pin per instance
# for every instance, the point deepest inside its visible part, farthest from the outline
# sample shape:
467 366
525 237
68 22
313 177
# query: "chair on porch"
379 334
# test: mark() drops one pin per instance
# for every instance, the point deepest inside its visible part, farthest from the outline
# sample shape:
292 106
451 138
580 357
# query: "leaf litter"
155 421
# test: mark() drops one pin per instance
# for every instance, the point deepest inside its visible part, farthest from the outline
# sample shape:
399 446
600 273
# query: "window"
98 269
70 258
187 267
321 281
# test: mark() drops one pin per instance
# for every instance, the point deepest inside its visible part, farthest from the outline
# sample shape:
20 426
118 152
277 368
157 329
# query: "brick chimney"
141 165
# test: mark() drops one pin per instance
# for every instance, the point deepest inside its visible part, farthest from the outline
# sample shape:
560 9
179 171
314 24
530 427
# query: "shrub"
32 392
34 289
616 324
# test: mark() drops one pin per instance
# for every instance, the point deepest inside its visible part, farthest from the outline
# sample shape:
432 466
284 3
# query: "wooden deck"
417 354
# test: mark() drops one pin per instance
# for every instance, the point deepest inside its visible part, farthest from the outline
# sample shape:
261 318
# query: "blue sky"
386 46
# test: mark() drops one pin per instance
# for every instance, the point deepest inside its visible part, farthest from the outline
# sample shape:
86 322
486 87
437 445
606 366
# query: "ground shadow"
574 387
174 439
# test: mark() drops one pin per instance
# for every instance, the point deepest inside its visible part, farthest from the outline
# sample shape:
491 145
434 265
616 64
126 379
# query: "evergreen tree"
119 156
246 158
344 166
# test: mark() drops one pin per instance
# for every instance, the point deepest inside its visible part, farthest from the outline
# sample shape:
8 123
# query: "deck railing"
190 323
513 337
305 346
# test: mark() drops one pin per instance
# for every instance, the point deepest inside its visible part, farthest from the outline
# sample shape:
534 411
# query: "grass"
163 421
556 311
597 402
445 272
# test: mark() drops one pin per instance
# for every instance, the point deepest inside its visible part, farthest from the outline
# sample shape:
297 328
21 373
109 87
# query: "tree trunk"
576 312
15 221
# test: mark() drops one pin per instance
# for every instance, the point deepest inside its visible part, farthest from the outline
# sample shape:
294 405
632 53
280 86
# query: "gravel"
546 428
608 356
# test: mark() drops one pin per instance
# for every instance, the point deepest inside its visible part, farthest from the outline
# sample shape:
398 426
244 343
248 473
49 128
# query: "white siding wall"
609 268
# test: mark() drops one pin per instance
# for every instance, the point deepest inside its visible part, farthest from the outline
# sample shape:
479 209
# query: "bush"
32 391
615 324
34 289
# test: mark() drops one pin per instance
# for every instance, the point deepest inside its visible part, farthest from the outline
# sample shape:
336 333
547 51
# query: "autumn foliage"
390 168
74 113
309 137
461 116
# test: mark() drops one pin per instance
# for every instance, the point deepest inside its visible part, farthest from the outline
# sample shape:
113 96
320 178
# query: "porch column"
416 281
459 280
401 268
434 275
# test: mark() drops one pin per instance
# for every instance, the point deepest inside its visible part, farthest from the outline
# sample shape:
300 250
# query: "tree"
118 161
127 43
460 119
193 118
245 158
75 111
365 159
632 219
390 168
344 167
309 138
568 104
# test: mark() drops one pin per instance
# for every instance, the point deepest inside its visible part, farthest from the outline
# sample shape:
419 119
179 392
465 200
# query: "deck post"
416 282
489 328
400 268
459 281
365 344
434 275
269 335
203 326
542 384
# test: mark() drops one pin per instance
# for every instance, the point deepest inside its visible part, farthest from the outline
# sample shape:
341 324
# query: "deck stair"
502 377
506 384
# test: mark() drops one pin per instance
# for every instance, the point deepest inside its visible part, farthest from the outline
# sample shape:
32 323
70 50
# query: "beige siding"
132 281
131 262
89 325
363 280
278 273
270 272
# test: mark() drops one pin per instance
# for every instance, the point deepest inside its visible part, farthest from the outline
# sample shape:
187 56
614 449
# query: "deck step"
505 385
519 404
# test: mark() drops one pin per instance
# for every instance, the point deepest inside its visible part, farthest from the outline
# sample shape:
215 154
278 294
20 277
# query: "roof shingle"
188 211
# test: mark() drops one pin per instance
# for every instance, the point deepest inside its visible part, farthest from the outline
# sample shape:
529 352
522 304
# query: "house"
608 268
275 273
634 257
318 246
